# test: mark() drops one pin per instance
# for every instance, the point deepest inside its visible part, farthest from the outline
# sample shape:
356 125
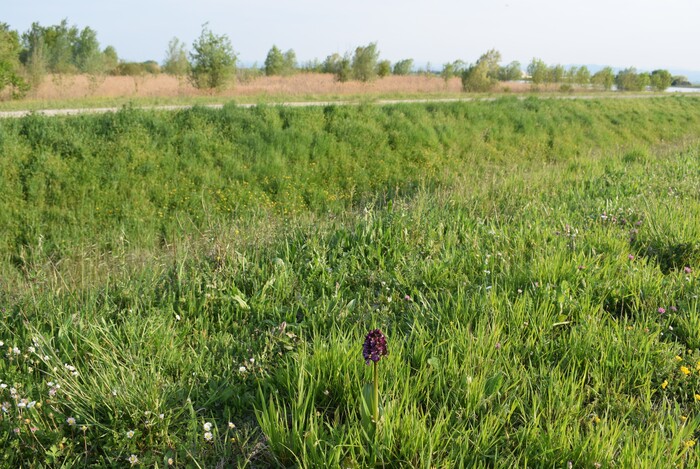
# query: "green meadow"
193 288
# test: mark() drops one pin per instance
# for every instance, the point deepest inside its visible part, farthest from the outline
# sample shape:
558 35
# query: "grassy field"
195 287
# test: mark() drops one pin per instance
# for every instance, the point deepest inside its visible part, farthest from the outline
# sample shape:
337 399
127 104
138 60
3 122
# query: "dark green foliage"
9 62
364 62
661 79
403 67
278 63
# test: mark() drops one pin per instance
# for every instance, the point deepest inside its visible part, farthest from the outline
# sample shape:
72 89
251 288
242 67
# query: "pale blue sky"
646 34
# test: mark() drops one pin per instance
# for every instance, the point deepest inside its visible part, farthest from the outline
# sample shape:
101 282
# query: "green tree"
339 66
213 60
680 80
481 76
510 72
290 62
403 67
556 73
538 71
34 54
582 76
452 69
364 62
661 79
475 79
383 68
274 63
603 78
87 56
629 80
176 62
110 59
60 40
9 62
490 60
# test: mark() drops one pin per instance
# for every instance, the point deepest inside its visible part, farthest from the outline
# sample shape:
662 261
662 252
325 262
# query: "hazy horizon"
646 34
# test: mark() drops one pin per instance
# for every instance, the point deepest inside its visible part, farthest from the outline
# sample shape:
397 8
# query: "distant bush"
150 67
403 67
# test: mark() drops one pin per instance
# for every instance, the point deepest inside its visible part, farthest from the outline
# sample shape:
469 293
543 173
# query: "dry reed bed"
303 84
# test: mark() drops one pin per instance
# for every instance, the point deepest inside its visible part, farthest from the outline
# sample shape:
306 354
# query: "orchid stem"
376 394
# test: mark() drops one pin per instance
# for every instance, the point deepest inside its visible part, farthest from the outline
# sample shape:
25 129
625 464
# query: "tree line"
25 59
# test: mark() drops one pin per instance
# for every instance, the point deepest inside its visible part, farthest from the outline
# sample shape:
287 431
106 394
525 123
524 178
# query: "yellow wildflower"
697 397
664 384
678 358
697 367
683 418
690 443
685 370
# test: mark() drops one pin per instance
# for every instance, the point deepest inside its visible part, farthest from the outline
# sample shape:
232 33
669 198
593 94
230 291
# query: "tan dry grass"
303 84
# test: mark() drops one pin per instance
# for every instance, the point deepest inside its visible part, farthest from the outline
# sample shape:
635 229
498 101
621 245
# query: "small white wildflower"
70 421
170 461
50 383
252 360
177 317
161 416
243 369
133 459
3 385
114 392
2 343
75 373
130 434
31 349
22 403
208 436
46 358
16 350
231 425
207 426
31 404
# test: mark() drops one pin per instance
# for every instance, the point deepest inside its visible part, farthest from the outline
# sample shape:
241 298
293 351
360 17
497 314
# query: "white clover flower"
31 349
231 425
3 385
242 369
16 350
207 426
252 360
208 436
130 434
